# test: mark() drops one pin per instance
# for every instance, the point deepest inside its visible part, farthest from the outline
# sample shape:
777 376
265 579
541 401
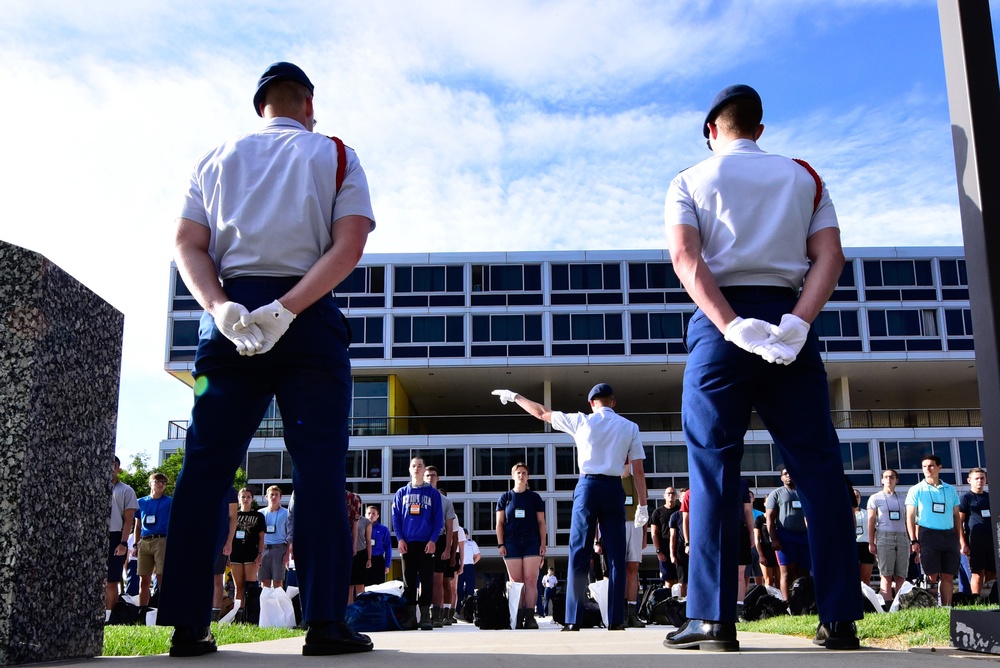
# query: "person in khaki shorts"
151 535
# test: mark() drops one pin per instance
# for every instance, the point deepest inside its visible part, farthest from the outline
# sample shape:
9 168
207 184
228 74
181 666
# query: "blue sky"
482 126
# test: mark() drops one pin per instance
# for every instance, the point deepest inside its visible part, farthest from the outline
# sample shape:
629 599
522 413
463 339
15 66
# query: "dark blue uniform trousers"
309 373
597 500
722 384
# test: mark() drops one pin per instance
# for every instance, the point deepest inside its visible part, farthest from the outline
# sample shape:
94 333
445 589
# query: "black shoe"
705 635
837 635
571 627
192 641
616 627
325 638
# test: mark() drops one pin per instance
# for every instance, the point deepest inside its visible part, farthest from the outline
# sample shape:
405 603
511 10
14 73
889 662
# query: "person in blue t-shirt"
151 535
521 537
417 519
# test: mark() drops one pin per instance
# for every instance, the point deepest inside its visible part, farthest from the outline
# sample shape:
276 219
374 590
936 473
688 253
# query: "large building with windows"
434 334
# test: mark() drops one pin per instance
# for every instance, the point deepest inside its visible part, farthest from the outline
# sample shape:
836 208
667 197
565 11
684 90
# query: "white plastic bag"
276 609
871 595
903 588
514 600
394 587
231 615
599 590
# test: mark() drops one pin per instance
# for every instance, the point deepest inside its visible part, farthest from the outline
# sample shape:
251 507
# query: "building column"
840 393
547 399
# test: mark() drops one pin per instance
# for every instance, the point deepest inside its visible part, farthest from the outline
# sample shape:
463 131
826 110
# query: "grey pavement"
465 646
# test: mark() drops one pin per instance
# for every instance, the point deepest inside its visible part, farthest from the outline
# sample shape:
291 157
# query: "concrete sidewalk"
465 646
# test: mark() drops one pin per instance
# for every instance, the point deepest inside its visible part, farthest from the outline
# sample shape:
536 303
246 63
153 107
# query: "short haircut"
892 471
156 475
118 462
286 94
519 465
976 469
431 469
375 508
740 116
274 487
933 458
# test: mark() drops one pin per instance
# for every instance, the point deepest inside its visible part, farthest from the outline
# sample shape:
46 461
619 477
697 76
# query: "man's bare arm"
827 262
684 242
350 234
196 267
534 408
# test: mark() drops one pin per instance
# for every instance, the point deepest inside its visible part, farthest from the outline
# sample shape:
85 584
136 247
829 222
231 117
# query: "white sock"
107 616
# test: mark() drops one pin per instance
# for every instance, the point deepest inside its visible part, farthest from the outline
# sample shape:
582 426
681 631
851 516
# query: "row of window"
595 283
521 335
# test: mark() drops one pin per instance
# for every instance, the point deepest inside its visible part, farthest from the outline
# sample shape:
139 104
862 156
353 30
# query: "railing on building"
525 424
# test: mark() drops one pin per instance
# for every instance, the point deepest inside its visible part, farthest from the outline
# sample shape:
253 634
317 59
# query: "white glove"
246 336
506 396
752 335
793 333
641 516
273 320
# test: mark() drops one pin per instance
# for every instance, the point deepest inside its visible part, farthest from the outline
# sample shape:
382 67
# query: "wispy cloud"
482 126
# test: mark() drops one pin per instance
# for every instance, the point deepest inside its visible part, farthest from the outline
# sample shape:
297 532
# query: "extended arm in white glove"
246 336
273 320
506 396
641 516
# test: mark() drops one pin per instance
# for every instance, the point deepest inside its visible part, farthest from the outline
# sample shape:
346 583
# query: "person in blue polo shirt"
604 442
151 535
934 525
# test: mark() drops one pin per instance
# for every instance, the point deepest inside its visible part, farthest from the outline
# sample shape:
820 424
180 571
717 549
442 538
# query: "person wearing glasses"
887 538
151 535
754 240
659 535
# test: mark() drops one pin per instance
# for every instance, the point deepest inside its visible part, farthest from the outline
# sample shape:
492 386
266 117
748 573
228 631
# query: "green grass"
143 640
899 630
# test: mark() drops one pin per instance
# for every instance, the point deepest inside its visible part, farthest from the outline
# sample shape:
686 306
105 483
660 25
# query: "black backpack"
802 597
669 612
759 604
492 611
249 612
649 601
125 614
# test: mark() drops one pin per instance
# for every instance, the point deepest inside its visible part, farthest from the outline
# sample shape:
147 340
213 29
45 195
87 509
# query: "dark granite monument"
60 358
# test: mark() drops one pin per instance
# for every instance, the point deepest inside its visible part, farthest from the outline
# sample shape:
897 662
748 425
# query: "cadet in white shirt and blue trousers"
272 222
744 227
604 442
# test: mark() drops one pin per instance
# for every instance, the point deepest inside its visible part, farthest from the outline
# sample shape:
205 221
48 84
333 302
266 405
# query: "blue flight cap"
726 95
600 390
280 71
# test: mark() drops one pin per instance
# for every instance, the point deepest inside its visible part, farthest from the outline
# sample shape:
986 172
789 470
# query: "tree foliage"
136 474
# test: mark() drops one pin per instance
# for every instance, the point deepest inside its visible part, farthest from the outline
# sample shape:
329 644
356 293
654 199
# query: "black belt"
746 291
154 535
272 545
599 476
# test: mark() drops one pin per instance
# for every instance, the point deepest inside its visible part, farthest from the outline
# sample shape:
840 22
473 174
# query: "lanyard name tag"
859 530
628 501
938 508
241 534
986 512
796 504
373 542
414 508
150 520
519 513
271 528
893 515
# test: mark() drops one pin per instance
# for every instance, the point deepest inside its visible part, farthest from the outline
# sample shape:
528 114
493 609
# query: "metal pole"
974 102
